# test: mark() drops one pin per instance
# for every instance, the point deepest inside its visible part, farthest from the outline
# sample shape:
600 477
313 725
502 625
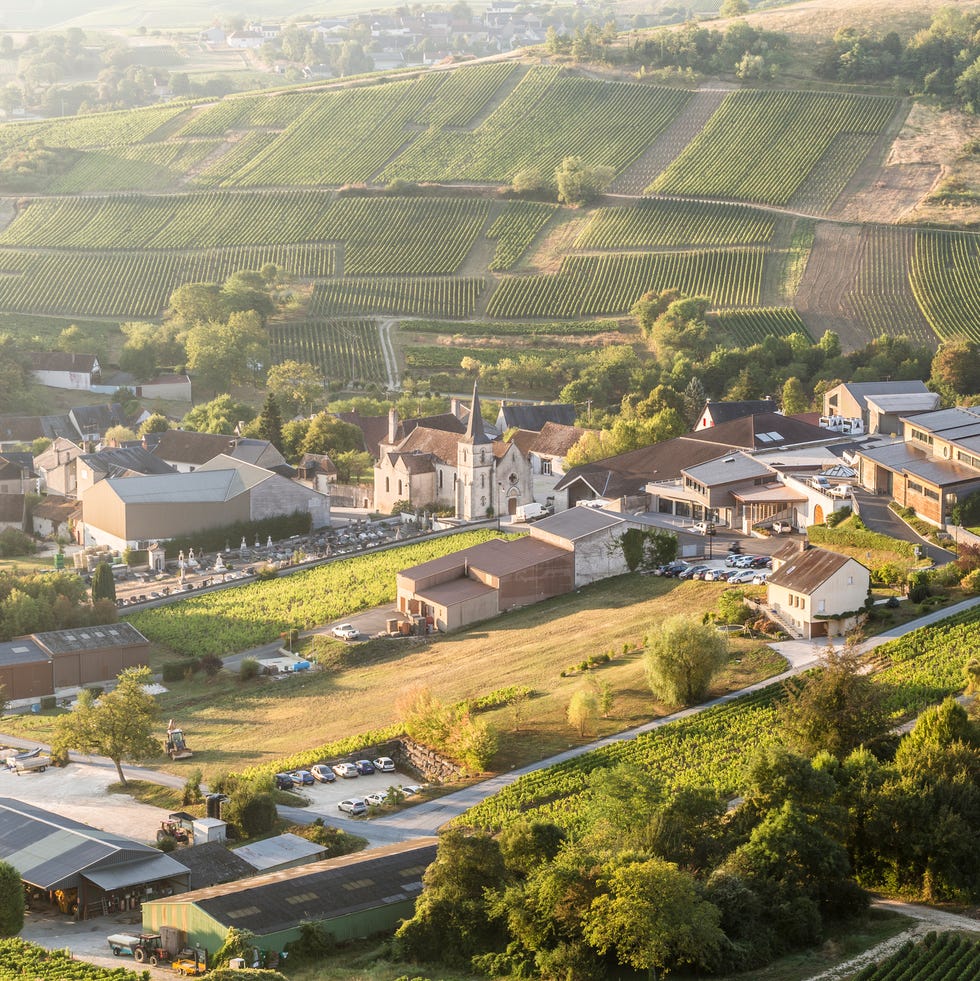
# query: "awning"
137 873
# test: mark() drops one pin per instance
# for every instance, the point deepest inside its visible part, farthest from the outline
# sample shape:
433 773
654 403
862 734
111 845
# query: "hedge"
868 540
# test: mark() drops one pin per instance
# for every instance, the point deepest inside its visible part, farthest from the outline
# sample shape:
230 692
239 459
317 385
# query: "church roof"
475 430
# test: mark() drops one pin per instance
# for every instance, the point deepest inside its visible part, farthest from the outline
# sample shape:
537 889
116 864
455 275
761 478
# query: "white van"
530 512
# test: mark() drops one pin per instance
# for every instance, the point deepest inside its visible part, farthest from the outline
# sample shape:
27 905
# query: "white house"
816 593
59 369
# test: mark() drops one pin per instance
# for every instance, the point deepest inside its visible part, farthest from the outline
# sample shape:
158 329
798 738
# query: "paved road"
878 516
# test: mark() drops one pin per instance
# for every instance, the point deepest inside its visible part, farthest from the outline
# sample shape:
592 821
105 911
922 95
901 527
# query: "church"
475 475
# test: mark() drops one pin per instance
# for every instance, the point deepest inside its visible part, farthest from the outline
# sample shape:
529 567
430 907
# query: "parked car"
345 770
672 569
302 778
743 561
781 527
411 790
741 576
376 799
346 631
323 773
760 562
284 781
384 764
353 806
364 767
691 571
760 578
717 575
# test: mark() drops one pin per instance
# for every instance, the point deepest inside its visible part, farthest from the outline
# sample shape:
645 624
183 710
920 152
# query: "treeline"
53 601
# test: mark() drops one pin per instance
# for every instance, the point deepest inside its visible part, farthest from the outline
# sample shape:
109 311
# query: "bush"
836 517
14 542
970 582
946 575
855 535
177 670
248 669
211 664
314 942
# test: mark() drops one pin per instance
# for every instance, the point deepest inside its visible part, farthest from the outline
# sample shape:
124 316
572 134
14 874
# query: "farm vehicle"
175 744
143 947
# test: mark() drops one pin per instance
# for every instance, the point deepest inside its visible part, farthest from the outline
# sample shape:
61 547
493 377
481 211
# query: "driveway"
878 516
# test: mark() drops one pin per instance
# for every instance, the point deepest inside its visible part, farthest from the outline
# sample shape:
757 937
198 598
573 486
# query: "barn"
95 871
352 896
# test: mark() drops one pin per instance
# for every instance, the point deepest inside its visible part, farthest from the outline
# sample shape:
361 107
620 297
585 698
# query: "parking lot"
324 797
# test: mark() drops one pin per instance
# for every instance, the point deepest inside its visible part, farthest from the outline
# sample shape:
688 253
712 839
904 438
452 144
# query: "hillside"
759 199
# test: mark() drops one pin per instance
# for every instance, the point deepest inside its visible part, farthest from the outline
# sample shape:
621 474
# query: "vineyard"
486 328
137 284
550 115
443 357
946 957
345 350
664 224
748 327
242 618
450 297
708 749
605 284
515 230
945 276
20 959
762 146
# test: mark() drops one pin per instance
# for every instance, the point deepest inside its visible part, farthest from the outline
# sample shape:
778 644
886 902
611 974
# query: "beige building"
813 592
134 511
56 467
849 400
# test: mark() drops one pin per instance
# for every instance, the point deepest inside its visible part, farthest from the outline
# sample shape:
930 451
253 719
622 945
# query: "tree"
733 8
353 466
220 415
578 183
583 710
956 368
103 583
694 402
120 726
297 385
328 434
793 398
231 352
836 709
270 422
650 914
682 657
119 434
11 901
157 423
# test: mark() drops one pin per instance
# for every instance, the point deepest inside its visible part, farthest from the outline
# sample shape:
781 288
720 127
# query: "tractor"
175 745
172 830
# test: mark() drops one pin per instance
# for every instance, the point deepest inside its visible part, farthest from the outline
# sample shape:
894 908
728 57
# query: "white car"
742 577
346 631
353 806
411 790
384 764
760 578
375 800
346 770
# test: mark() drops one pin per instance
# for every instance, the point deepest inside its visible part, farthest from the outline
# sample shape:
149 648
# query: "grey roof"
726 469
117 461
909 459
63 361
135 873
250 474
268 853
729 411
764 430
187 446
904 402
576 523
51 851
21 650
90 638
475 431
534 417
21 458
199 485
25 429
212 863
325 890
96 418
861 390
808 570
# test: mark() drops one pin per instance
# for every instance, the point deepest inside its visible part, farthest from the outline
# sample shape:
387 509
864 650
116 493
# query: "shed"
212 863
25 669
108 871
86 655
352 896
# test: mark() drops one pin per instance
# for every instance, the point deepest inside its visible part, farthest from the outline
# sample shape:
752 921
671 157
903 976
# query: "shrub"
946 575
248 669
177 670
211 664
836 517
970 582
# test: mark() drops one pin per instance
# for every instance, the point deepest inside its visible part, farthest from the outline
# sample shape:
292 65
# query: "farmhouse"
816 593
350 897
16 475
59 369
41 664
52 516
95 871
117 461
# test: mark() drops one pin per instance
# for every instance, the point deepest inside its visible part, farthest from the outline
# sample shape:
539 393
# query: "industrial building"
351 897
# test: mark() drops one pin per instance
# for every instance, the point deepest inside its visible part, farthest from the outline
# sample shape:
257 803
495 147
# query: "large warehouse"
35 666
352 896
95 871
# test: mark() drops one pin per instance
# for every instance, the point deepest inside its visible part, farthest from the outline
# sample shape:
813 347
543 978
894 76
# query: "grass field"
231 726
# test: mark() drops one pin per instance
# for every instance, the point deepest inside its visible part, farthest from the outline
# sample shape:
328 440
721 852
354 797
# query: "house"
534 417
13 511
545 452
118 461
130 512
92 422
885 412
16 476
56 467
97 870
245 40
715 413
816 593
317 471
469 472
283 851
350 897
17 431
934 464
53 516
186 450
390 429
849 400
59 369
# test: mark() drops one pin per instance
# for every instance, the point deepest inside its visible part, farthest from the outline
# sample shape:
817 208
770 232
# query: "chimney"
392 426
454 404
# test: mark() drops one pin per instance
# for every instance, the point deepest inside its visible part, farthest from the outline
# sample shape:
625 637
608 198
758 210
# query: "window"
441 475
399 488
850 582
483 481
387 485
822 606
922 437
546 467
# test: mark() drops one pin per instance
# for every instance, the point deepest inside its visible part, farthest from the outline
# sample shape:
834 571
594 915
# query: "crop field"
604 284
102 129
344 350
515 229
248 112
762 146
489 328
823 185
549 115
748 327
244 148
946 957
664 224
945 275
133 284
22 959
448 297
463 93
709 749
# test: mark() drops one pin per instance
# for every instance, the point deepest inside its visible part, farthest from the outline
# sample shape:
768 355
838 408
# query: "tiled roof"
534 417
90 638
556 439
439 443
806 571
63 361
117 461
762 430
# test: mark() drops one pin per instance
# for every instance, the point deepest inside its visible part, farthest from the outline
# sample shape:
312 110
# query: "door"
512 505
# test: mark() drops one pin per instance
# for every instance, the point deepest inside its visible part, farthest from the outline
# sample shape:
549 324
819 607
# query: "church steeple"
475 430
